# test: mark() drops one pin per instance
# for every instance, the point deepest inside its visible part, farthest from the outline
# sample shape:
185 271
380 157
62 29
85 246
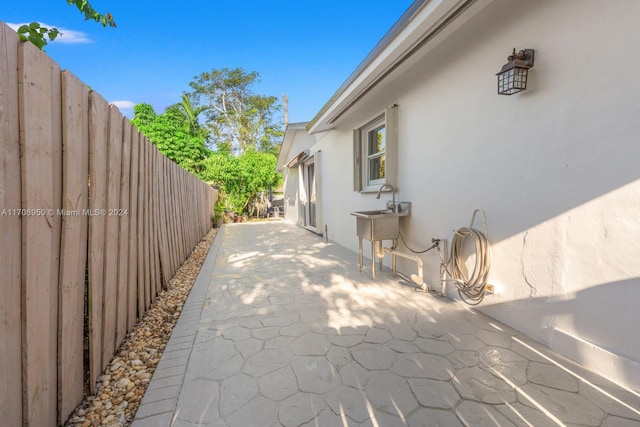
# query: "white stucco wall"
291 197
300 141
555 169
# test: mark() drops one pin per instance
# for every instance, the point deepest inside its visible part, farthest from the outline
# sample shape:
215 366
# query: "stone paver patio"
281 329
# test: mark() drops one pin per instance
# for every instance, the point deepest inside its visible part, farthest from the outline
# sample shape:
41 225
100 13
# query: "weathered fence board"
156 217
40 288
164 247
133 230
183 205
114 153
98 119
75 169
10 234
55 218
146 260
155 280
173 240
155 277
186 195
140 228
163 279
176 216
123 238
149 217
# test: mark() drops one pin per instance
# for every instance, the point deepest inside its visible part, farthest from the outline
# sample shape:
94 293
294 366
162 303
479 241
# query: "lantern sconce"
513 76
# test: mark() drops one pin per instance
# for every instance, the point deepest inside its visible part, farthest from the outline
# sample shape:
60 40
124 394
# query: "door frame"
310 187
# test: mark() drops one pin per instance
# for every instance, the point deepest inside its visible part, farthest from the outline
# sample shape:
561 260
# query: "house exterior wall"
293 206
292 213
555 169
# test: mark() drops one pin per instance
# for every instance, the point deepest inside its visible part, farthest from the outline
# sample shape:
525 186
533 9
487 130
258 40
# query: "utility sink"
377 225
383 224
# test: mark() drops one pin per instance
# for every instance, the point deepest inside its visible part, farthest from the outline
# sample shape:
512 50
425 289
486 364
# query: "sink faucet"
393 194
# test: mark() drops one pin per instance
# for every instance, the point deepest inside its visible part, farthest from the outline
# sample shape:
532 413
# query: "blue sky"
305 49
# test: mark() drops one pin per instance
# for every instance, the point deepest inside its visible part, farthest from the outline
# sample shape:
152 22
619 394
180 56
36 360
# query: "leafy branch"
38 35
90 13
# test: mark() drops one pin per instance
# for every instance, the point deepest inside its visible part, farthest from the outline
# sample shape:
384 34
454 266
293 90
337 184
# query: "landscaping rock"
120 388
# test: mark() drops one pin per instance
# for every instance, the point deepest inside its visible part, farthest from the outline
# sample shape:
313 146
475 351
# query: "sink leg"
373 260
360 246
393 263
380 263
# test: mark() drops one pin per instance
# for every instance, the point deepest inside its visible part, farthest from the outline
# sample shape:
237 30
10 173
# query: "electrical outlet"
489 289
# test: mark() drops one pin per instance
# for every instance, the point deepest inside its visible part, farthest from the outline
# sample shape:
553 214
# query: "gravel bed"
121 386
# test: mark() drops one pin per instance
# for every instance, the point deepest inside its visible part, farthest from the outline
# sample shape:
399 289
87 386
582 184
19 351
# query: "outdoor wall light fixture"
513 76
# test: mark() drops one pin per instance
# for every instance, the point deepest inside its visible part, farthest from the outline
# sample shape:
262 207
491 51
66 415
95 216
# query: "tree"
240 123
172 136
37 34
189 115
238 118
241 177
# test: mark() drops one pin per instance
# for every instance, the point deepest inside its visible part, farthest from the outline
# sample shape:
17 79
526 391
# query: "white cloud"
123 104
65 36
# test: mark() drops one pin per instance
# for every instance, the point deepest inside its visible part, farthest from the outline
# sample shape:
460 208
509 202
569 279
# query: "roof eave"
287 140
416 27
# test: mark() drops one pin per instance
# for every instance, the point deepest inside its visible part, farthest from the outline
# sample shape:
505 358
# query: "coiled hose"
471 289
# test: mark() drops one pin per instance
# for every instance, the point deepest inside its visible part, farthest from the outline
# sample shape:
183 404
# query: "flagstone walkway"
282 329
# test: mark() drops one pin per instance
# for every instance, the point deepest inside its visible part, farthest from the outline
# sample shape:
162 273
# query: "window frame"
369 156
362 157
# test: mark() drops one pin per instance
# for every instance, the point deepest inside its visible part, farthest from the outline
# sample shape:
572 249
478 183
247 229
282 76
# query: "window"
375 153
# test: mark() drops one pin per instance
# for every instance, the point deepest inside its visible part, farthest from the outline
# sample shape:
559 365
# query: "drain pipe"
418 279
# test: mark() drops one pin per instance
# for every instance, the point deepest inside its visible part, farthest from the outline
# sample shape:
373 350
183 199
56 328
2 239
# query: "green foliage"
238 118
241 125
241 178
90 13
172 135
218 212
38 35
189 115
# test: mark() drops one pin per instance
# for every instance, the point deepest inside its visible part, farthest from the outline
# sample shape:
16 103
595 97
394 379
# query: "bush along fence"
94 221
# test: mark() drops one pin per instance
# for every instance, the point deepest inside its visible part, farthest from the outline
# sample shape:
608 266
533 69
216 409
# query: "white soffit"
289 136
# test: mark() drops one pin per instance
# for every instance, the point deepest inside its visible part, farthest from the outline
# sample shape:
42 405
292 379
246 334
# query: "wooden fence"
88 206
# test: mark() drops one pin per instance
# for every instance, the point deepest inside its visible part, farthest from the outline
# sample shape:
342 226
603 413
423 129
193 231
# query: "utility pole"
285 102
